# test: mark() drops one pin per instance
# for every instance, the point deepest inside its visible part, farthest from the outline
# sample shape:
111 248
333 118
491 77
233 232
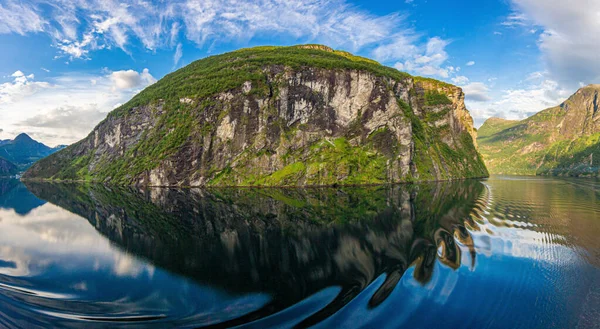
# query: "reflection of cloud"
125 265
50 234
81 286
18 259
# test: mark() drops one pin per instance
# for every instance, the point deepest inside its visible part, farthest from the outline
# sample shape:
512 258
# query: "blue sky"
65 64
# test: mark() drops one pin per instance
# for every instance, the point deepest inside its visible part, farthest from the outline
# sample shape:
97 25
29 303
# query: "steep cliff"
561 140
278 116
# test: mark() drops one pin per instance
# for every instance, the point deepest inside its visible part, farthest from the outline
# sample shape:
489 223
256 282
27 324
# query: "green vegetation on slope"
433 98
493 126
435 158
327 162
211 75
534 146
573 157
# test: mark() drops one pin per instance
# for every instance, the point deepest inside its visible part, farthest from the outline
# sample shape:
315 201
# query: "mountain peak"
497 119
581 97
591 86
23 137
316 47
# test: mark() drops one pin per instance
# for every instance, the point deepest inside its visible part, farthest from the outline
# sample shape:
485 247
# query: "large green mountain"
562 140
23 151
278 116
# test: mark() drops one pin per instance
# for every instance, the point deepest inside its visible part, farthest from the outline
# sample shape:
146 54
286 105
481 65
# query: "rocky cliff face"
562 140
279 117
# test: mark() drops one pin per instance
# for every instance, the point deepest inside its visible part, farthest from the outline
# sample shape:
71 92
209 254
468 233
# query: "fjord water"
506 252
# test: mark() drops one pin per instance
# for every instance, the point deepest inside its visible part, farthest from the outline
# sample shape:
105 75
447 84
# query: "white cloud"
520 103
178 54
428 60
570 37
515 19
477 92
471 63
19 18
65 120
64 109
131 79
79 49
460 80
535 76
21 86
402 47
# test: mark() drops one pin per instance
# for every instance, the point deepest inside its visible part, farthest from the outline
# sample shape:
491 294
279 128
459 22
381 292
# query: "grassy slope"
209 76
531 147
573 158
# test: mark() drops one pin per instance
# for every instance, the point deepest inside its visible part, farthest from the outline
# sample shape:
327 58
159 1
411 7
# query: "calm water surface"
507 252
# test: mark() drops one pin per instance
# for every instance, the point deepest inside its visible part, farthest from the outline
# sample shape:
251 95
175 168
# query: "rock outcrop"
561 140
278 116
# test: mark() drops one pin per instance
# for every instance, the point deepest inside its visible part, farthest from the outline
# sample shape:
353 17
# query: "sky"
64 64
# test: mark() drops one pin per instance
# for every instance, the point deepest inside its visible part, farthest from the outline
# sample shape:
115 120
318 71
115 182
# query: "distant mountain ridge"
23 151
559 141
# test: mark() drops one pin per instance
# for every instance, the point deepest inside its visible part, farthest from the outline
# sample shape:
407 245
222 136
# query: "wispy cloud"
429 59
477 92
178 54
15 17
515 19
80 27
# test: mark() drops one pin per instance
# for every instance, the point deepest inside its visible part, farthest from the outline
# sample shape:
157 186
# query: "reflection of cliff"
14 195
289 243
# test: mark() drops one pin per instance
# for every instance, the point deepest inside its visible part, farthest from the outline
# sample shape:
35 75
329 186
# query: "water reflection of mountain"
14 195
289 243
